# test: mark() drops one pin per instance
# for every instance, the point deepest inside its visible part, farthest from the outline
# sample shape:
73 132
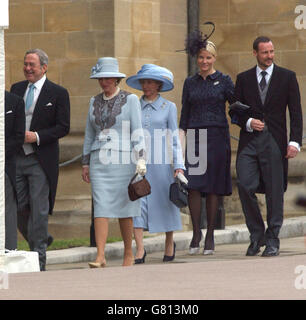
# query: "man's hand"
257 125
30 137
291 152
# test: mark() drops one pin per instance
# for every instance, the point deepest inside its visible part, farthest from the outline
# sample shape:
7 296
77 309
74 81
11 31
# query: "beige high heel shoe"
97 264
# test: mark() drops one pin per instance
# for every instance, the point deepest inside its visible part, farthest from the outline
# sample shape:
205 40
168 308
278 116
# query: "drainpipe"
193 11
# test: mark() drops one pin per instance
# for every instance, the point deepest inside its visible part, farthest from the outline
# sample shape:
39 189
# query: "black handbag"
178 193
138 189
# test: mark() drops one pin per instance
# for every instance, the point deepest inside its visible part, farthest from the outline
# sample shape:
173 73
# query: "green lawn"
65 243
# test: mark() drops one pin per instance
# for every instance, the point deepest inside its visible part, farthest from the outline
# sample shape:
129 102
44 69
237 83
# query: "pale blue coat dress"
113 140
164 155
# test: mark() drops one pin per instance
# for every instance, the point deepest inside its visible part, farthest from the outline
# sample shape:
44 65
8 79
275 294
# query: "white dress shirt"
37 88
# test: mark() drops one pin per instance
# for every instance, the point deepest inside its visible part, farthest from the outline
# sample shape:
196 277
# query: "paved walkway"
228 274
293 227
225 252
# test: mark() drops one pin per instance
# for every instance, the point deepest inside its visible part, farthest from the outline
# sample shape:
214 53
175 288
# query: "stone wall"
137 35
151 32
76 32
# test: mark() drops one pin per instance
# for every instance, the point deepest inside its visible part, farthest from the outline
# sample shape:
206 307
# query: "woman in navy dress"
203 110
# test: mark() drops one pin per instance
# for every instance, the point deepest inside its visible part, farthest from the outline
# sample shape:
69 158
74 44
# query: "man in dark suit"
263 151
47 110
14 137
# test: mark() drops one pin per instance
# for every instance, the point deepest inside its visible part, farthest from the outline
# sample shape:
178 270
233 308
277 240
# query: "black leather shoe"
170 258
253 249
141 260
270 252
50 240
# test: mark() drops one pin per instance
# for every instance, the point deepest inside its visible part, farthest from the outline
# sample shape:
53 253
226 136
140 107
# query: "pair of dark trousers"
261 158
32 188
10 215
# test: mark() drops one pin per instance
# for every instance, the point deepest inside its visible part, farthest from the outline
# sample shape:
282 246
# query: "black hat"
196 40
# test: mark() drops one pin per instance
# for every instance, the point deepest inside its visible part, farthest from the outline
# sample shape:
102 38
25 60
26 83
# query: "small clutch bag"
139 188
178 193
238 107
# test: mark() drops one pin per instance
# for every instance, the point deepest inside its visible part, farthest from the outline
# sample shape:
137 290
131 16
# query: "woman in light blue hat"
164 158
109 155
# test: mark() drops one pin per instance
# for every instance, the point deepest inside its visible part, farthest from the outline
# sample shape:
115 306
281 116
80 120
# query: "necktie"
263 82
30 97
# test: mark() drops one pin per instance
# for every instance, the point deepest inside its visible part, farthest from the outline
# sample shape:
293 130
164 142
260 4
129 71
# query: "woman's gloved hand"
141 167
182 178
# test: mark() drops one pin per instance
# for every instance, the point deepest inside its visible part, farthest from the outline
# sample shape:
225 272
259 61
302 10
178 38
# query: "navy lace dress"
208 150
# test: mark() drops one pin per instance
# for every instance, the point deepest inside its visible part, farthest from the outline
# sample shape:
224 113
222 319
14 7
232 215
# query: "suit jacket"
51 120
283 92
14 132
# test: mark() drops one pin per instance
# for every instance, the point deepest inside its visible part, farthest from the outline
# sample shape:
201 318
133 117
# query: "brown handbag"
138 189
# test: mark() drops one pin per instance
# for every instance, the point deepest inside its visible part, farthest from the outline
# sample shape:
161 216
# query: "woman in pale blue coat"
113 141
163 155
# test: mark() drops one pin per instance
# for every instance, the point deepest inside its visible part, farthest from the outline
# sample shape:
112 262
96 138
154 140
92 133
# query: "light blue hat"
107 67
154 72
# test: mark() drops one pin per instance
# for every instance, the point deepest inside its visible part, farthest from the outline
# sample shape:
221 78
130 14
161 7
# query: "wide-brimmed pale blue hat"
106 67
153 72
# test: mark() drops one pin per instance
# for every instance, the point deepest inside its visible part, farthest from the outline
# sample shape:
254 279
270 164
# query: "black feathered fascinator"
196 40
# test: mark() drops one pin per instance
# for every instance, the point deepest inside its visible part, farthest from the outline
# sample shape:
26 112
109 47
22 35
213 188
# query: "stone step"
296 187
297 165
76 224
71 146
74 194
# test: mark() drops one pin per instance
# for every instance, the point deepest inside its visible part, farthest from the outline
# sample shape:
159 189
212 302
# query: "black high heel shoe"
141 260
170 258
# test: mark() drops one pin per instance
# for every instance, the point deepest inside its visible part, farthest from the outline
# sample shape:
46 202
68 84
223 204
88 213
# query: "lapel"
21 89
273 84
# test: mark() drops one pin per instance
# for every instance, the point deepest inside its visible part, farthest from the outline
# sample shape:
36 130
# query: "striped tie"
263 82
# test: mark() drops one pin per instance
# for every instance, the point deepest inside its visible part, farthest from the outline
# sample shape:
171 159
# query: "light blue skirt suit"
113 140
164 155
